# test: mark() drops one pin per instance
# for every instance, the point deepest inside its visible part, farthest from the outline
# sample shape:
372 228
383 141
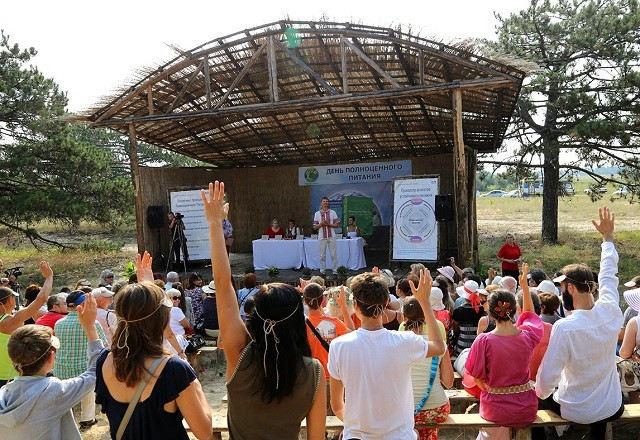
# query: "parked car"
512 193
622 192
600 189
494 193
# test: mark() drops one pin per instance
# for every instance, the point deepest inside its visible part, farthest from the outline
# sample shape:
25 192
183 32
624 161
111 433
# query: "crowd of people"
386 347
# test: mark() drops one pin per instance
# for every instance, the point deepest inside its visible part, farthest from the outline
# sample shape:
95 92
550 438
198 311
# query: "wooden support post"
473 212
150 99
207 80
135 175
460 181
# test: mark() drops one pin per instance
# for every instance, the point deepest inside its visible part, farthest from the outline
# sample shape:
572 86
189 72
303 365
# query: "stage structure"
319 93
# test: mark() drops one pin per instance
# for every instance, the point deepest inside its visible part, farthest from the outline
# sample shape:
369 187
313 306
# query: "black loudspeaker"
156 216
444 208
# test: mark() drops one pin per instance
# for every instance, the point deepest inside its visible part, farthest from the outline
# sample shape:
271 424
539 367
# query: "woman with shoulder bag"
145 392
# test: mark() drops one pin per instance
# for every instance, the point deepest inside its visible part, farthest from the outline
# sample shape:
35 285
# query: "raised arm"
232 329
607 279
422 294
341 299
18 318
527 301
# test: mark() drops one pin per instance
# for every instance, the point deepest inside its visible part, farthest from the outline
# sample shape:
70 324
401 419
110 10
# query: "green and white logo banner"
353 173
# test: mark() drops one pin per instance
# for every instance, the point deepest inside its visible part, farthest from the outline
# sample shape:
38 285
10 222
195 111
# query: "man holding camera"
178 240
10 279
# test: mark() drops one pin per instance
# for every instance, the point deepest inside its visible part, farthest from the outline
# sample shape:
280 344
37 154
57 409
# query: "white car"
622 192
494 193
600 189
512 193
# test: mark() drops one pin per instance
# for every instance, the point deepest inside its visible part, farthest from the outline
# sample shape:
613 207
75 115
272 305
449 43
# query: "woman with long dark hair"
172 391
272 381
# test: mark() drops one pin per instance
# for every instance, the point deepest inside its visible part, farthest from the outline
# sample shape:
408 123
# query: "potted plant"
306 271
342 272
273 272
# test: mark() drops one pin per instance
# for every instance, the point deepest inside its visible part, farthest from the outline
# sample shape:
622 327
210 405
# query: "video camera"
15 271
179 216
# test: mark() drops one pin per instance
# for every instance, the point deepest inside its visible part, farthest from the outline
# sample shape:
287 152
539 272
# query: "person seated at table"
352 229
292 230
274 230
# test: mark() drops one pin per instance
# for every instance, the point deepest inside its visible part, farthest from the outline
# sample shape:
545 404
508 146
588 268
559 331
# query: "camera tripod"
178 237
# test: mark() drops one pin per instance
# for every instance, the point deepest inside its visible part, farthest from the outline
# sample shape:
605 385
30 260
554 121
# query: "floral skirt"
436 415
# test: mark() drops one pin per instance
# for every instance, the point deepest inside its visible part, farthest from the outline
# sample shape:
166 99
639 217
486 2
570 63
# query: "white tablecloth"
350 253
283 254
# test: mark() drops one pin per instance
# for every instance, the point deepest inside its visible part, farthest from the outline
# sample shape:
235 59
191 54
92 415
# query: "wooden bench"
453 395
464 421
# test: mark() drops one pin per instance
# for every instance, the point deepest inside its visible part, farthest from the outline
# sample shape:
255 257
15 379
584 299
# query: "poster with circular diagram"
415 229
415 220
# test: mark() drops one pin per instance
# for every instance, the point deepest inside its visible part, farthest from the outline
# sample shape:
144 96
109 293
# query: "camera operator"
10 279
179 241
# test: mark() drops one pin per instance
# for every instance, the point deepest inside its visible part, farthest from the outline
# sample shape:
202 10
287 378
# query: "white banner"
414 228
353 173
189 204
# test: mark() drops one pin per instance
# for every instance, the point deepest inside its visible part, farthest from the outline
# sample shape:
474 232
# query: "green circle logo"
311 175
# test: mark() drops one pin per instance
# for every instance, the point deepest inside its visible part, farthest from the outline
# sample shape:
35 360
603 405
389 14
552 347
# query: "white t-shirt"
375 368
176 316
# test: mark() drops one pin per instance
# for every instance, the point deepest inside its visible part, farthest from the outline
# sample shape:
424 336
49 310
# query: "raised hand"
423 291
303 283
87 312
524 283
606 224
215 209
341 299
45 270
143 267
376 270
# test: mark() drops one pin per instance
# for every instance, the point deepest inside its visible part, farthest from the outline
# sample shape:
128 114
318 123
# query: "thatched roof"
315 92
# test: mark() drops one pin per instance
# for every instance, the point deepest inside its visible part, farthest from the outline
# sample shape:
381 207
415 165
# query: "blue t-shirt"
149 419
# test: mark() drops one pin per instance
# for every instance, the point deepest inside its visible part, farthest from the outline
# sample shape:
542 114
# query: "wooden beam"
373 64
343 60
242 74
460 181
273 71
421 67
135 176
306 67
207 79
150 99
321 101
185 86
472 158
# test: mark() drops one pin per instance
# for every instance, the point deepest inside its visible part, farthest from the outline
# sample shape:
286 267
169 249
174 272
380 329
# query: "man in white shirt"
324 221
580 360
371 367
106 317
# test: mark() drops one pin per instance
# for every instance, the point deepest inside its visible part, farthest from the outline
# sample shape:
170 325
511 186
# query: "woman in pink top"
499 363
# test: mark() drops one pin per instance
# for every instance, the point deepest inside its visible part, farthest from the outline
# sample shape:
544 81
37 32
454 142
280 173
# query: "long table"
350 254
292 254
283 254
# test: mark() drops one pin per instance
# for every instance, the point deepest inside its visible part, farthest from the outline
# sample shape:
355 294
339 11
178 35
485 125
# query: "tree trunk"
550 190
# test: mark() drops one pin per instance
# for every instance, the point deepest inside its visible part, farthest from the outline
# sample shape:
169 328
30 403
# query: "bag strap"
136 397
315 332
434 369
247 295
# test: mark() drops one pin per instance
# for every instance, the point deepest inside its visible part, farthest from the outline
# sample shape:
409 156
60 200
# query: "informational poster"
189 204
414 228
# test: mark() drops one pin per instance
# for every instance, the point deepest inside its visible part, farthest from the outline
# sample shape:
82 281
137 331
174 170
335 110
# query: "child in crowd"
35 405
499 363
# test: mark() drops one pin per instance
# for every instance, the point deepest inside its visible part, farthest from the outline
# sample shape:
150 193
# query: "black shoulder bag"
324 343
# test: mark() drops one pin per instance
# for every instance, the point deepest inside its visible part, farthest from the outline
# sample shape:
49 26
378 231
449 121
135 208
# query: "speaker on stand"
157 219
444 214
